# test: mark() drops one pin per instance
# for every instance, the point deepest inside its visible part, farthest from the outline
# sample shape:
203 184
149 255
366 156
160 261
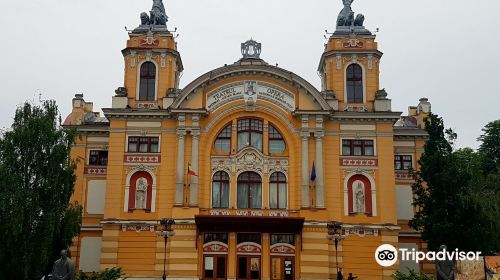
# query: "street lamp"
165 232
335 233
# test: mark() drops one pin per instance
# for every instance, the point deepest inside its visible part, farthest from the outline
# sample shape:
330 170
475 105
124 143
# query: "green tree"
490 147
456 201
36 183
411 275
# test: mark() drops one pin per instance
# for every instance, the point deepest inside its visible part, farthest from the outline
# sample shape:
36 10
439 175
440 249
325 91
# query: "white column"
179 181
305 170
320 188
193 188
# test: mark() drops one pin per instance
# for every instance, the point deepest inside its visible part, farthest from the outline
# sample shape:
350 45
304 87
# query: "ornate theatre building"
251 161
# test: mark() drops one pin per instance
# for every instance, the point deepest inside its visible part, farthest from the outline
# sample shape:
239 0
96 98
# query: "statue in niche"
445 269
359 198
141 193
346 16
64 268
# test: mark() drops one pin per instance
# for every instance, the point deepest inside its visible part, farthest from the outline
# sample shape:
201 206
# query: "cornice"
380 116
376 53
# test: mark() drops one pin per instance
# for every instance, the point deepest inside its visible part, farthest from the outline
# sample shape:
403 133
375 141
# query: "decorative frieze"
282 249
138 228
404 175
98 171
141 158
215 247
358 162
249 159
249 248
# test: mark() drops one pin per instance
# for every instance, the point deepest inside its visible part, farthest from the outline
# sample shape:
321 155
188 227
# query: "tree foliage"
411 275
457 199
36 183
114 273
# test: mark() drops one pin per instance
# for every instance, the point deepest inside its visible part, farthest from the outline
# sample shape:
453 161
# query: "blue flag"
313 173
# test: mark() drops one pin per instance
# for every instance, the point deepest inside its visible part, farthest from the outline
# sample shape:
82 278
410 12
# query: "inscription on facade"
239 91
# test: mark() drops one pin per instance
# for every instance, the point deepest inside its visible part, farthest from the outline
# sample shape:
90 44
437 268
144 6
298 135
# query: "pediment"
251 85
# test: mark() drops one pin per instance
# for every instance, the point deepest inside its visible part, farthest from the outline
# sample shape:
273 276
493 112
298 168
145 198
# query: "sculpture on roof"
346 16
251 49
157 15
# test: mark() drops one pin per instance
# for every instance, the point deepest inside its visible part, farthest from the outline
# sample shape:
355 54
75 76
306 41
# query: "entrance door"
249 268
282 268
215 267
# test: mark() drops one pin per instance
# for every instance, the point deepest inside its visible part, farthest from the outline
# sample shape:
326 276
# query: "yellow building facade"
251 162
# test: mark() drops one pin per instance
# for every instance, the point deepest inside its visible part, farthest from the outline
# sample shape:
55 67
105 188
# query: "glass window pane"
242 267
369 151
273 195
256 196
282 196
257 141
209 267
243 140
276 146
242 196
224 196
216 195
357 151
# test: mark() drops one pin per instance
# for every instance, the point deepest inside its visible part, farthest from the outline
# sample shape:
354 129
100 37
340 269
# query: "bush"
411 275
114 273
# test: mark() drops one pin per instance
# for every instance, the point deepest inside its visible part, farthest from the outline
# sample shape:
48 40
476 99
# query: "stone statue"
346 16
158 14
360 199
144 19
445 270
360 19
140 193
64 268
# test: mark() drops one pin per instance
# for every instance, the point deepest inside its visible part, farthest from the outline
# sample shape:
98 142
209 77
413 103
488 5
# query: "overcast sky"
446 50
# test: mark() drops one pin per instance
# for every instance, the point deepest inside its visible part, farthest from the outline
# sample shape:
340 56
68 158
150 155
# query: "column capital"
181 133
305 135
319 135
195 133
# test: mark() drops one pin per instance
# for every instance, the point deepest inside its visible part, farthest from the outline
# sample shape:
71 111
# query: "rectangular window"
282 238
98 158
248 237
211 237
141 144
352 147
403 162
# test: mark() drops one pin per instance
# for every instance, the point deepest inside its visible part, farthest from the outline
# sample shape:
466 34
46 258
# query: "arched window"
220 190
147 87
250 133
277 191
249 191
276 141
359 195
140 192
223 141
354 83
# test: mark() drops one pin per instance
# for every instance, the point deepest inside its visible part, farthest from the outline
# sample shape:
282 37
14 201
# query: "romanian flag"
191 171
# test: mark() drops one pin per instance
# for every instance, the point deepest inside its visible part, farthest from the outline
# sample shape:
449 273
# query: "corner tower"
349 66
152 63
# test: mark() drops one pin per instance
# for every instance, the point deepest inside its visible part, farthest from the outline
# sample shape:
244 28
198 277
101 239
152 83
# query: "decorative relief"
138 228
95 171
150 41
249 248
404 175
215 247
162 61
141 158
339 61
133 59
146 106
361 232
282 249
358 109
249 159
249 213
358 162
353 44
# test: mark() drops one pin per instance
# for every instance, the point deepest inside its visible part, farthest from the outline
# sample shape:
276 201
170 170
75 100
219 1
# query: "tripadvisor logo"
387 255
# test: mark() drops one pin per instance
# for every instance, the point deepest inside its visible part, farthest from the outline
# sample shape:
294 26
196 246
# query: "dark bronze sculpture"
63 268
445 270
346 16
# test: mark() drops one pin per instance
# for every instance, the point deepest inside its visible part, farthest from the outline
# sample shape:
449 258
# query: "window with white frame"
143 144
358 147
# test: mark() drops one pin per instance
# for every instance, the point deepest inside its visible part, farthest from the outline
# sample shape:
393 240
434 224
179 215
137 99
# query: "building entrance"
249 268
215 267
282 268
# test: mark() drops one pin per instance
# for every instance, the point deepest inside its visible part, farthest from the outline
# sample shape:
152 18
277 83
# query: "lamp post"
335 233
165 232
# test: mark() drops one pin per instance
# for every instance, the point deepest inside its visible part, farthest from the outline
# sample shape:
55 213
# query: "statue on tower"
346 16
156 20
